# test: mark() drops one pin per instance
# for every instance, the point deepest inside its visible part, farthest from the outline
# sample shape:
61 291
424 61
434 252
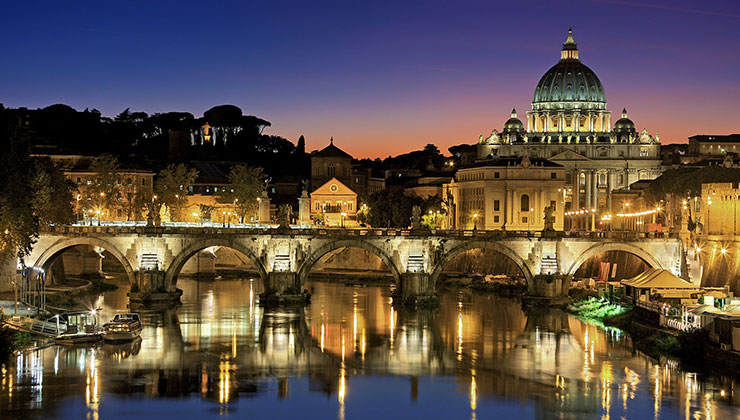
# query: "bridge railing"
325 231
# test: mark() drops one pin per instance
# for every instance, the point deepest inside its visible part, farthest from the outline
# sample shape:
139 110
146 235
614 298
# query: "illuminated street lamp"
475 221
343 216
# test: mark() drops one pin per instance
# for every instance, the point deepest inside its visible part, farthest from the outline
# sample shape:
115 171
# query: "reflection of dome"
513 124
569 80
624 124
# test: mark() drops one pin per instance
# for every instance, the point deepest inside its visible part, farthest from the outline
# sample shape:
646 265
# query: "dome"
624 123
513 124
569 80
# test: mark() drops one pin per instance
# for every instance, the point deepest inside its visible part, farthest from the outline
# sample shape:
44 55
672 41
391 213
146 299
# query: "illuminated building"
335 204
508 193
333 162
570 125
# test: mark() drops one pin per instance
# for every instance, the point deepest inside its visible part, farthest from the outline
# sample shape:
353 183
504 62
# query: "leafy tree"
53 193
104 191
391 208
172 188
248 183
19 227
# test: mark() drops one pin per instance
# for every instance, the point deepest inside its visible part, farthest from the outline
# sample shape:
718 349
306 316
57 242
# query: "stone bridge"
154 256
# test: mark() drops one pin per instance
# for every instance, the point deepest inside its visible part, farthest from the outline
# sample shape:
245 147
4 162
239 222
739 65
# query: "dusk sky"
382 78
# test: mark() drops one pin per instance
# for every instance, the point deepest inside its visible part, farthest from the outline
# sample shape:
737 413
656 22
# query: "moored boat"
82 327
123 327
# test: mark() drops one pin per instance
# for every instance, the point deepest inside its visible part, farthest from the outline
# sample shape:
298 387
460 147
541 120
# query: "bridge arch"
613 246
170 277
484 245
315 256
57 248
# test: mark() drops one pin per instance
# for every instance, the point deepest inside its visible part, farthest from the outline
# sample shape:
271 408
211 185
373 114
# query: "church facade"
570 125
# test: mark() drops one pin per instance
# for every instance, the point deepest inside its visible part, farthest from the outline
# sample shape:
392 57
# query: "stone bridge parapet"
284 258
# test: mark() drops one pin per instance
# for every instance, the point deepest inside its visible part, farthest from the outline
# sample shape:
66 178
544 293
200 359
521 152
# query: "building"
570 125
719 208
334 204
132 186
508 193
714 145
333 162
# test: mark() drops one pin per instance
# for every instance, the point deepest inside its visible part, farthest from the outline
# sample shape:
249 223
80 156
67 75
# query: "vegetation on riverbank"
595 308
12 340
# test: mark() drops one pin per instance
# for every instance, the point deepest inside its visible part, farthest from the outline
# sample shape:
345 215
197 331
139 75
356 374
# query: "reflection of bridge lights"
224 381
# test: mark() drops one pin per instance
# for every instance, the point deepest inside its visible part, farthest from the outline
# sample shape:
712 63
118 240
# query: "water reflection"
476 356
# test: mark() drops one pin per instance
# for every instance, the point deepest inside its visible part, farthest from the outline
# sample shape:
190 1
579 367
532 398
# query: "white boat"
82 327
123 327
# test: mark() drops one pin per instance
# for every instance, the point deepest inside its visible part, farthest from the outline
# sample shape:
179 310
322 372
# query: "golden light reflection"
473 391
224 380
323 336
92 389
342 389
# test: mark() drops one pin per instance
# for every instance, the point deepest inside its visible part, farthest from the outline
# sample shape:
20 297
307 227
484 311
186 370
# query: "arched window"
525 202
602 179
569 178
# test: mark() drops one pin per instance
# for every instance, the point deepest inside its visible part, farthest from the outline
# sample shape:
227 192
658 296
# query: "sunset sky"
382 78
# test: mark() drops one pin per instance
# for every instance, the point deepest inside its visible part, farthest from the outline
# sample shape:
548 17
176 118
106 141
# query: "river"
351 354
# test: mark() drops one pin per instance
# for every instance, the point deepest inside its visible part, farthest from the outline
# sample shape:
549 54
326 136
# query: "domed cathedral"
569 124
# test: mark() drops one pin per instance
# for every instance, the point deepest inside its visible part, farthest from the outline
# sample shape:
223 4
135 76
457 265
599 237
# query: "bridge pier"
416 289
283 287
151 287
548 290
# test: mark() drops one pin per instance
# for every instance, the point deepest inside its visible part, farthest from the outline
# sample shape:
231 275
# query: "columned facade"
570 125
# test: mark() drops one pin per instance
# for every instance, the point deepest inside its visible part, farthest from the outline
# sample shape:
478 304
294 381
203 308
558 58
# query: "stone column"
264 208
577 122
587 201
609 184
594 190
575 205
304 209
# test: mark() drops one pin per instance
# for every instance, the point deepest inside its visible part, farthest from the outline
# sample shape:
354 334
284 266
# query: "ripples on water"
351 354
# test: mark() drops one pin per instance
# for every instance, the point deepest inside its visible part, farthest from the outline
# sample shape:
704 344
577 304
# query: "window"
349 206
332 170
496 205
497 175
602 178
143 181
643 152
495 219
525 219
553 175
524 202
569 178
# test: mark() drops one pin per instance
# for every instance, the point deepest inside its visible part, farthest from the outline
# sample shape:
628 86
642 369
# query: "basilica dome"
569 80
624 123
513 124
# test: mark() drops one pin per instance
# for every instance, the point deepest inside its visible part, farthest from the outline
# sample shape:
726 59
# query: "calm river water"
352 355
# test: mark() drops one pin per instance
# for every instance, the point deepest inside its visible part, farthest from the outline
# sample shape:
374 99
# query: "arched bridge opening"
616 261
199 259
484 257
343 251
85 257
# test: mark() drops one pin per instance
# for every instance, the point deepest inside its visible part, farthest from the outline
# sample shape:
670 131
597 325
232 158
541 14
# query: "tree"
172 188
391 208
19 227
52 193
247 183
103 195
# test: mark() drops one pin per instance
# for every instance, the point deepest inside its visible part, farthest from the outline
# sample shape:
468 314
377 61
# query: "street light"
529 219
343 216
475 221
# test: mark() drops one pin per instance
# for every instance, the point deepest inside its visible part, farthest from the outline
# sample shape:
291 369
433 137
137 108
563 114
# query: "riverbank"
690 349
